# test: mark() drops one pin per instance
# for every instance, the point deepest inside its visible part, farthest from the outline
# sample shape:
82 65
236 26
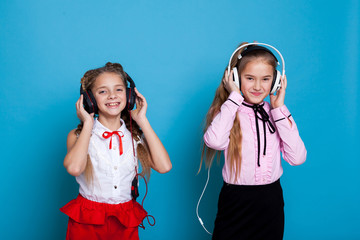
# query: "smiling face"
256 80
110 94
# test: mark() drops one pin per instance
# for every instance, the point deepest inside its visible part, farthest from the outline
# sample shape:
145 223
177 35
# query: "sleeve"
217 134
291 146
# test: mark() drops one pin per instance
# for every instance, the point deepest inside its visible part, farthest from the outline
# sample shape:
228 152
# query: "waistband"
82 210
253 187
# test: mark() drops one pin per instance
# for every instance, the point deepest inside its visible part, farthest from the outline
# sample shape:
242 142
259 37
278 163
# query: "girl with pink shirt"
252 133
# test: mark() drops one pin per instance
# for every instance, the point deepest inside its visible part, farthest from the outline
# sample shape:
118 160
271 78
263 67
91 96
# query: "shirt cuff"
236 98
280 113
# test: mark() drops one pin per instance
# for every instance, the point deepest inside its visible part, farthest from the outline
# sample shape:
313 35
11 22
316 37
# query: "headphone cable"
197 207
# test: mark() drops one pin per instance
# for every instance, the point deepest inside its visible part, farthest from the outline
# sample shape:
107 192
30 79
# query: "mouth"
112 105
256 93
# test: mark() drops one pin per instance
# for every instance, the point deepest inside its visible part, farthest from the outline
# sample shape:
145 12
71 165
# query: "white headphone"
276 84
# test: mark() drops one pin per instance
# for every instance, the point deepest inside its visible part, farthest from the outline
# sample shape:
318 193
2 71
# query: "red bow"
107 135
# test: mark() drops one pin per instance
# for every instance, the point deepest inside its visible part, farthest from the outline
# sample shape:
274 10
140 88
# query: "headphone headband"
253 48
258 44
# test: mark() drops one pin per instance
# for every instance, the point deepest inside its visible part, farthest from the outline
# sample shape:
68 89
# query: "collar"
99 129
249 109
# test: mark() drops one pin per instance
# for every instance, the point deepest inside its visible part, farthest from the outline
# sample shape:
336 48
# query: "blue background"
176 52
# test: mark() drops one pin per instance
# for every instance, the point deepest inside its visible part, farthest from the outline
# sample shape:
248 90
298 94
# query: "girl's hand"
82 114
228 82
139 114
278 99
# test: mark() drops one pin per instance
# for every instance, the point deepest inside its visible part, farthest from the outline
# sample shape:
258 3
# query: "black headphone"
90 104
250 47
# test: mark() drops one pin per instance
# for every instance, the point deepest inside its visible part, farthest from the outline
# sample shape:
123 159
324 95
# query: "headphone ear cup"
236 77
276 84
89 101
130 98
130 93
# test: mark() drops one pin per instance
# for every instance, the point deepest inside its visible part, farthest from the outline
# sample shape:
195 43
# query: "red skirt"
92 220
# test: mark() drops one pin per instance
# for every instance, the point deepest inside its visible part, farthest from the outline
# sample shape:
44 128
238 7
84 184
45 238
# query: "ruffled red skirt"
92 220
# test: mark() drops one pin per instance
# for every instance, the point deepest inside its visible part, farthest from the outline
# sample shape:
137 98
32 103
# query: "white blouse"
112 173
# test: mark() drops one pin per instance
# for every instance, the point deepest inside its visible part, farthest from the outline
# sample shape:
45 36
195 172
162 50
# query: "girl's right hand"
228 82
82 114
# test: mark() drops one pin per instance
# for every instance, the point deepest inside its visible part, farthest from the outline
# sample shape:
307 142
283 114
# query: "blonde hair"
143 153
221 95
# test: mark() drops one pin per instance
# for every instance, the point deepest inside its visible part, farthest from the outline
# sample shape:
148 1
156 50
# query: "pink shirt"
286 140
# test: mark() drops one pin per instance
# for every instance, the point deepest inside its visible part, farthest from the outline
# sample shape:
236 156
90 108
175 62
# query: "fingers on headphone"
231 76
227 76
77 104
139 97
143 100
137 100
138 94
285 81
224 83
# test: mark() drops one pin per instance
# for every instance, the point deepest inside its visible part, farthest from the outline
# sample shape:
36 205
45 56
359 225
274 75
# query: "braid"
142 152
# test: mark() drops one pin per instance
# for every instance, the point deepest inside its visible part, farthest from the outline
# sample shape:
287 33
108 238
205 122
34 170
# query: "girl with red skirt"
103 154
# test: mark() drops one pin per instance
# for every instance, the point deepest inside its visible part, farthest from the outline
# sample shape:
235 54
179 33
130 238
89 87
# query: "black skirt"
250 212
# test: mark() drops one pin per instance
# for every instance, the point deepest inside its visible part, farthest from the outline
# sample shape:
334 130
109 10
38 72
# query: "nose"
112 95
257 85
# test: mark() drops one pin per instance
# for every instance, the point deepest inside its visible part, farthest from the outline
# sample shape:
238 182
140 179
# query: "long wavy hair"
221 95
143 153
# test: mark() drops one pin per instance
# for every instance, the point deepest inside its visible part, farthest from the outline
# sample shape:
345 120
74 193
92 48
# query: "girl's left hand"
139 114
278 99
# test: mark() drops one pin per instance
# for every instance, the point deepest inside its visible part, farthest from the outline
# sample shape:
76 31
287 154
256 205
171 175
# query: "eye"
119 89
266 79
250 78
102 92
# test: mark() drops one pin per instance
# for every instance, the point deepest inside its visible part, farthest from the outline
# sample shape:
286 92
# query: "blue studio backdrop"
176 52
